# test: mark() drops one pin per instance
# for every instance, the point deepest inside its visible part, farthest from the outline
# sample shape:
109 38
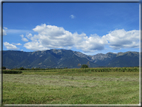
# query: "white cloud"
9 46
123 39
4 32
18 44
50 37
72 16
24 39
22 36
5 27
29 35
16 31
92 43
13 31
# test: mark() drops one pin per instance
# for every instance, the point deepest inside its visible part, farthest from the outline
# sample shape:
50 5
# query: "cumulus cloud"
119 39
72 16
24 39
29 35
92 43
50 37
9 46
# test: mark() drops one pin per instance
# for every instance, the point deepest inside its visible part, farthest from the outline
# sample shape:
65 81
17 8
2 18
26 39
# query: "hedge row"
11 72
111 69
123 69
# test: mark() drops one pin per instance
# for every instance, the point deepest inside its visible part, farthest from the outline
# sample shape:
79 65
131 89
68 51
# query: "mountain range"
60 58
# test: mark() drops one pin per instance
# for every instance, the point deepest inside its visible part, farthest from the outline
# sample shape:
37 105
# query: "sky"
89 28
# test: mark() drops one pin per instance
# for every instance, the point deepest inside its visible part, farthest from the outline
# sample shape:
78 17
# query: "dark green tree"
3 67
84 66
21 68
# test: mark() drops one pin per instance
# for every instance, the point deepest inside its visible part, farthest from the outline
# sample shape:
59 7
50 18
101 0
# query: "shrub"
22 68
84 66
11 72
3 67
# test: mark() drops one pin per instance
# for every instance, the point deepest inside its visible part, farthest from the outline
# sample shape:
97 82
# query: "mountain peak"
56 51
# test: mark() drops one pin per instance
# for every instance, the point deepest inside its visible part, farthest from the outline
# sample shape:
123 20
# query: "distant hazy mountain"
67 58
126 59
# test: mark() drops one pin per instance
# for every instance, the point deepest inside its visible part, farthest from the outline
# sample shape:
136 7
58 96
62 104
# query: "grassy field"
71 86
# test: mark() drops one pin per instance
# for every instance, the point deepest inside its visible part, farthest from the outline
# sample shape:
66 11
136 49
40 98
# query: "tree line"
22 68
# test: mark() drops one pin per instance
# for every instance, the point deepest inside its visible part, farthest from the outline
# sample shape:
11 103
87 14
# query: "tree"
84 66
3 67
21 68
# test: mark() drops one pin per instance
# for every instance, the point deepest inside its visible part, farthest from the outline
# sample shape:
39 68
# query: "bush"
22 68
84 66
3 67
11 72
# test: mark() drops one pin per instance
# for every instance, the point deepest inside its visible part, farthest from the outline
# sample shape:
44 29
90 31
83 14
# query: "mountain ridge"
60 58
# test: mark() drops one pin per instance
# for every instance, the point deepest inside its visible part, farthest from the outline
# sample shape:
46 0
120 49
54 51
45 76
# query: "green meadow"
72 86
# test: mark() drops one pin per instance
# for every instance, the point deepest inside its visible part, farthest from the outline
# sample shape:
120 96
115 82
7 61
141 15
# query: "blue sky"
90 28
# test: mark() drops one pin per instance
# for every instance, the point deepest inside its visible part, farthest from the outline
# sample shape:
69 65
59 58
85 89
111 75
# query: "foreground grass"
71 88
